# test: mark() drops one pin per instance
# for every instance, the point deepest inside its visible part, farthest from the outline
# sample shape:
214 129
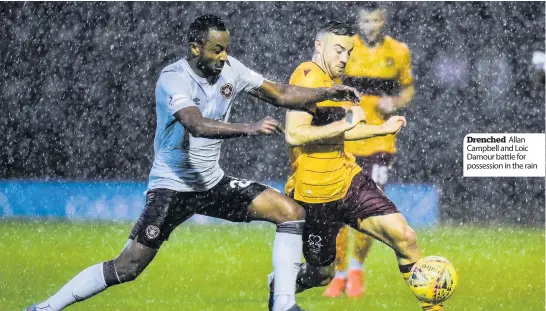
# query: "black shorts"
324 220
166 209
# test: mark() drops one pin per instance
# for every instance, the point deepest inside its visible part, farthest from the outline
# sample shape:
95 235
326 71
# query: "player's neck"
373 43
194 65
319 60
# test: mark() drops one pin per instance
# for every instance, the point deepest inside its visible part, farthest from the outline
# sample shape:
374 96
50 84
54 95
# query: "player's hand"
394 124
387 105
344 93
266 126
354 115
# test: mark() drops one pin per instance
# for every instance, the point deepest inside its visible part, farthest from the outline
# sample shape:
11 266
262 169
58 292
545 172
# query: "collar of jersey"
192 73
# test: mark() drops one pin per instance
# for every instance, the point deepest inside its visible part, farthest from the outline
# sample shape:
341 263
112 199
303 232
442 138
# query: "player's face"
371 24
336 52
213 53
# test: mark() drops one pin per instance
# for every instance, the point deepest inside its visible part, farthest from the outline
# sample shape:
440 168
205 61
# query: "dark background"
77 89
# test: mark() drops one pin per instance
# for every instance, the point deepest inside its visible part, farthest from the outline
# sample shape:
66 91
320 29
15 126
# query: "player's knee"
291 212
326 275
312 276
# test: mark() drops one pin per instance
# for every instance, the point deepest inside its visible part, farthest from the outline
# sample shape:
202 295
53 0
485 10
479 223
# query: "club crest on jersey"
152 232
389 62
226 90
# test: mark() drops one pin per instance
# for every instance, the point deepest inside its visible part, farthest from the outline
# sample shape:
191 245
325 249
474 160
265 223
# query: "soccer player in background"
380 67
325 179
193 100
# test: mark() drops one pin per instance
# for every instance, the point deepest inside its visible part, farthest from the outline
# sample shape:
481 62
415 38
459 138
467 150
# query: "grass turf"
224 268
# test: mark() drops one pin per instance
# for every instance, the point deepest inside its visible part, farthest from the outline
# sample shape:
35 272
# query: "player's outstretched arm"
299 131
389 105
361 131
199 126
303 98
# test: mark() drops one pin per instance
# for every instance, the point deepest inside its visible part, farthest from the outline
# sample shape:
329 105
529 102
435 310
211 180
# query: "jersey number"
239 183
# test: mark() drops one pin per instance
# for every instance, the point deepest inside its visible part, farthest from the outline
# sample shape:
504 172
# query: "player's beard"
210 70
324 65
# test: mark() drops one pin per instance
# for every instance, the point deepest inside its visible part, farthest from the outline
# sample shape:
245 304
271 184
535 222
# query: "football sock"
406 272
287 249
87 283
341 274
355 265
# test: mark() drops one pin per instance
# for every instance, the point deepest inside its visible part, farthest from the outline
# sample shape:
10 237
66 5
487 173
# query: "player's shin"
287 249
87 283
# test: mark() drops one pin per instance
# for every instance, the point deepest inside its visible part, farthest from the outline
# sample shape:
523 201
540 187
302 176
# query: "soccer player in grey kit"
193 101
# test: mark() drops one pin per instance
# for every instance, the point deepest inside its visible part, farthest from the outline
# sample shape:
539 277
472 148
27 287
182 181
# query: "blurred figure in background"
539 58
380 67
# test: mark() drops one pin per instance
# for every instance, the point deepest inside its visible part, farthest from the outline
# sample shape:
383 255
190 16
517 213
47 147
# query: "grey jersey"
183 162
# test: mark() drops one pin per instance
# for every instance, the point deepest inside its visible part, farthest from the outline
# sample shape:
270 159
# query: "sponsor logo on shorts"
226 90
152 232
314 243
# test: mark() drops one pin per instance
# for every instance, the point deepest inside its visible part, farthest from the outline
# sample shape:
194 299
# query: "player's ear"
318 46
195 49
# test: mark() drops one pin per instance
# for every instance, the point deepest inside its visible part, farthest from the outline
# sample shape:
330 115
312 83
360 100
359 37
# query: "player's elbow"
293 139
280 100
409 92
197 130
281 97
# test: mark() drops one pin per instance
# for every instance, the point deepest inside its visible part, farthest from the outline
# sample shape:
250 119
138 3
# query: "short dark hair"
370 7
200 27
337 28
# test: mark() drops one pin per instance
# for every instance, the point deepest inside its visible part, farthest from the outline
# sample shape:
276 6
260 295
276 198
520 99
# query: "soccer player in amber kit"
380 67
327 181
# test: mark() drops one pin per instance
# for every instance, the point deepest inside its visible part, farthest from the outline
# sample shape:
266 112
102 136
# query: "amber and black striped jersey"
322 171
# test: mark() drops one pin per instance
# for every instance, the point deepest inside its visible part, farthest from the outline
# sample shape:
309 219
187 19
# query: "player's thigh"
368 209
241 200
322 225
271 205
165 209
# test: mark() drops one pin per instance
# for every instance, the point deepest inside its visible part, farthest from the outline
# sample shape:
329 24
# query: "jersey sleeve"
406 75
175 93
246 79
313 77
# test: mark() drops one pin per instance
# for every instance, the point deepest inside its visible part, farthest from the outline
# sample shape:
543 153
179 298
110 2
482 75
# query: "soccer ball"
433 279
